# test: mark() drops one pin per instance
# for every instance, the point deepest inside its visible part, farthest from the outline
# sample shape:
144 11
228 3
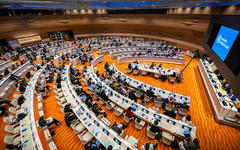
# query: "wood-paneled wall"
190 28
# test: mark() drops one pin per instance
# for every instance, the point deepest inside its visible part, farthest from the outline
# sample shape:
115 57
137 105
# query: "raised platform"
218 111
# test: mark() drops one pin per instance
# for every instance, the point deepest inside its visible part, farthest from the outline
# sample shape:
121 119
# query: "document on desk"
223 91
173 129
97 133
107 143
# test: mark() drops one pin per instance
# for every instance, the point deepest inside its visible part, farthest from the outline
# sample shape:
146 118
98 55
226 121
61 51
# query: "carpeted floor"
212 136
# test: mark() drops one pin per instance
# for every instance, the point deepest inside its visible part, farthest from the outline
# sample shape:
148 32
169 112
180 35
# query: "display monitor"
82 108
96 123
125 101
134 106
116 95
89 116
145 110
186 128
117 141
224 41
157 117
105 131
13 43
171 122
222 46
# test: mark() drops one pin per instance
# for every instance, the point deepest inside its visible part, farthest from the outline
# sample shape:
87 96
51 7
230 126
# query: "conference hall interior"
119 75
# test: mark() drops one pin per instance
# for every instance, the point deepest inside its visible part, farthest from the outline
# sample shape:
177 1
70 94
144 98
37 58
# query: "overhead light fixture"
89 11
82 11
99 11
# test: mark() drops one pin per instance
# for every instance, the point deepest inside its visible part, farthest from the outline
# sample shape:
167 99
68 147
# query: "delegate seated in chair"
184 106
149 146
68 108
69 117
129 113
152 65
132 96
149 92
104 96
21 100
48 122
154 127
189 144
15 78
118 127
163 77
22 88
3 111
130 66
171 113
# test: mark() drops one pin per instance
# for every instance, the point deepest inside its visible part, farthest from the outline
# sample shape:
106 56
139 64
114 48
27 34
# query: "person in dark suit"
104 96
68 108
132 96
152 65
170 114
42 122
28 75
6 72
21 100
149 92
184 106
13 77
154 127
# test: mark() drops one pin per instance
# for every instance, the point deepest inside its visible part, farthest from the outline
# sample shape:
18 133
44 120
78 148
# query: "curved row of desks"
168 124
156 70
50 48
93 124
123 53
157 91
28 131
223 107
5 82
7 66
2 65
161 59
76 60
107 50
57 58
63 50
97 60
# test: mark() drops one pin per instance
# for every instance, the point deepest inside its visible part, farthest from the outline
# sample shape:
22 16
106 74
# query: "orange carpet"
64 137
211 135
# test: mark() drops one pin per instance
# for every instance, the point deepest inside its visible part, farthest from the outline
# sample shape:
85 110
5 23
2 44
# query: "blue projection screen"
224 41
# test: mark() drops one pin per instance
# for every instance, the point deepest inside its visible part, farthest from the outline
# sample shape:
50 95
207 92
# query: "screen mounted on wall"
222 44
224 41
